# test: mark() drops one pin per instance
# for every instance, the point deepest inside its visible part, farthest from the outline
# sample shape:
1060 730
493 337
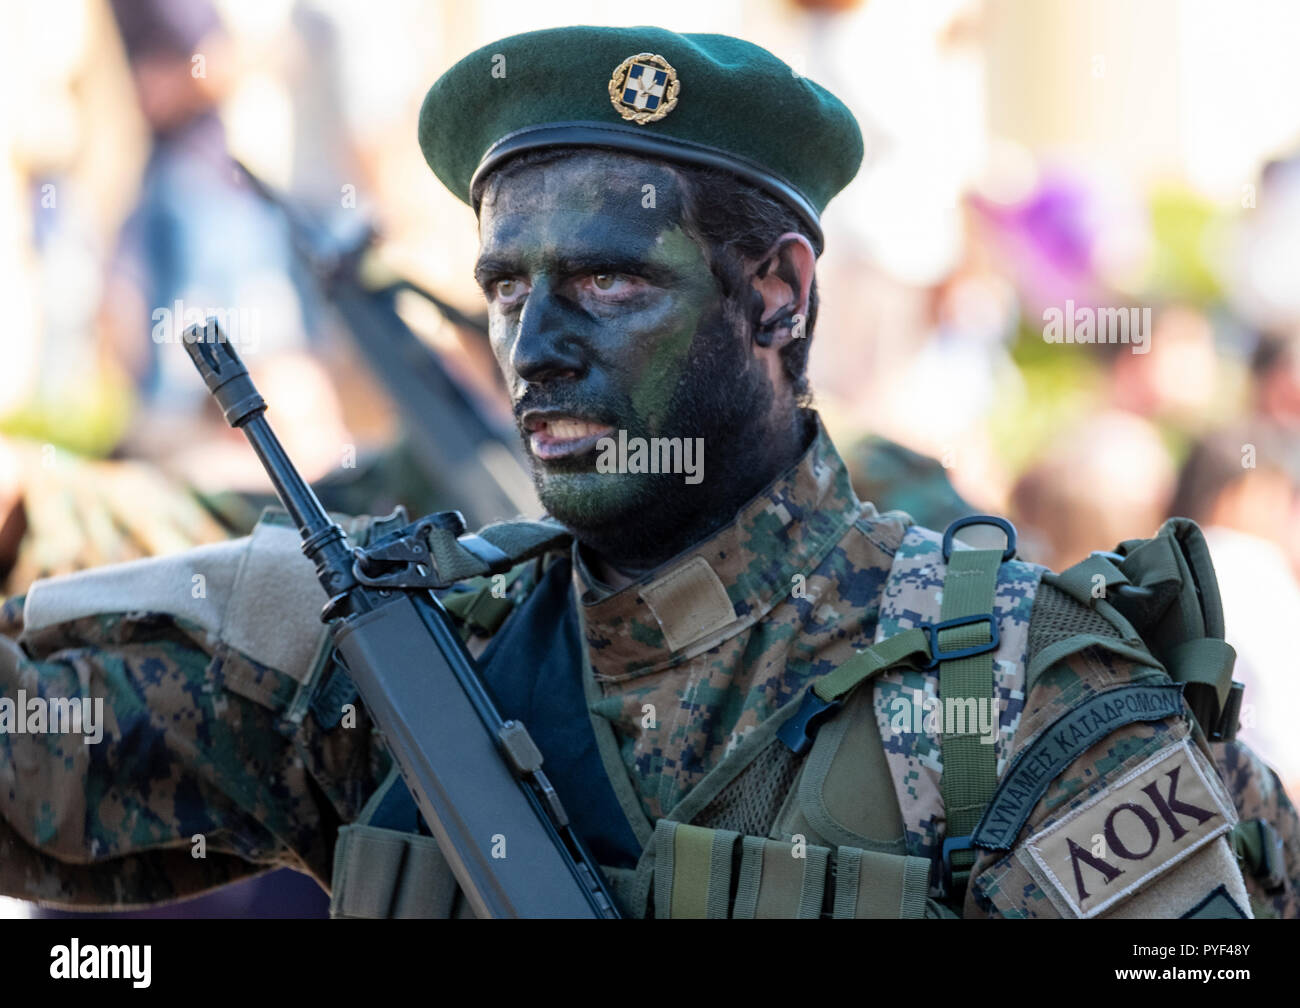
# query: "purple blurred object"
167 27
1047 242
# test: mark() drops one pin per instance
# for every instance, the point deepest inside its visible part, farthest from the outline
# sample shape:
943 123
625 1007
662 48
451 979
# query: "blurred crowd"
936 363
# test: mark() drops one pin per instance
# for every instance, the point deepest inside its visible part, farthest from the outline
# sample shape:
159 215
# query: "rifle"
475 777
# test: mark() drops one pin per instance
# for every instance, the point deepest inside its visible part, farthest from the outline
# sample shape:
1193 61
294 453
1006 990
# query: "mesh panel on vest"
1056 616
750 803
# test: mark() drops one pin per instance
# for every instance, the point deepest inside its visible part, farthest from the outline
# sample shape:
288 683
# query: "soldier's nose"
548 347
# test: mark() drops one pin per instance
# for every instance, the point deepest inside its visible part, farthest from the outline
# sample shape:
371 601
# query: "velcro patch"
1146 822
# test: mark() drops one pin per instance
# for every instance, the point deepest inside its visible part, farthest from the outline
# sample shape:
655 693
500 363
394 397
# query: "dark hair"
1216 462
734 222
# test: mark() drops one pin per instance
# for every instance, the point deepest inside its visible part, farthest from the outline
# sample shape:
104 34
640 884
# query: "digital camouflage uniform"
209 726
231 743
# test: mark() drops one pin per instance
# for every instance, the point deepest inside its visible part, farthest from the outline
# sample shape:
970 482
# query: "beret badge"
644 88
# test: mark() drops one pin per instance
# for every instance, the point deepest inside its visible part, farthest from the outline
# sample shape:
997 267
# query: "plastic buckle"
932 632
980 519
950 844
801 727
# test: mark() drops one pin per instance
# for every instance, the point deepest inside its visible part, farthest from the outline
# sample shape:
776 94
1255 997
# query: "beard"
637 520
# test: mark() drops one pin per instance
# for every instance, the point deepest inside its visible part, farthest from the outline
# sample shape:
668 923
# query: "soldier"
756 694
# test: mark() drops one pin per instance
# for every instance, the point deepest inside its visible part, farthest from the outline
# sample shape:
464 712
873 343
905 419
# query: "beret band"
633 141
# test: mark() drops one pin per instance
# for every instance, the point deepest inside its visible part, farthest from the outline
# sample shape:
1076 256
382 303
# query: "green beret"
697 99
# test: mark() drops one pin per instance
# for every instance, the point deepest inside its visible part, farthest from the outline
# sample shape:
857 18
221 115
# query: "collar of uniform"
727 583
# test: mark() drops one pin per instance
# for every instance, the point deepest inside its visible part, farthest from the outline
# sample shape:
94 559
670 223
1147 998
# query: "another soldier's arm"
211 765
1269 822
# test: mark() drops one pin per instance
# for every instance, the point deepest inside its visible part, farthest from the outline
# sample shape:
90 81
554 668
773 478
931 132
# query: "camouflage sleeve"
1260 798
1110 804
158 735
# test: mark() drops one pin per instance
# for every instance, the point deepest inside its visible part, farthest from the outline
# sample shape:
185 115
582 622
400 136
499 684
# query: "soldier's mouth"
555 437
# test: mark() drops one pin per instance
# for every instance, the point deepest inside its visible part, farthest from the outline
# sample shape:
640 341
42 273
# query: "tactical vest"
803 818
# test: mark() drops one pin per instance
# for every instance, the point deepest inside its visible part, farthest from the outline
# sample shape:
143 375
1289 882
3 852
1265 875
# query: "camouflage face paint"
606 318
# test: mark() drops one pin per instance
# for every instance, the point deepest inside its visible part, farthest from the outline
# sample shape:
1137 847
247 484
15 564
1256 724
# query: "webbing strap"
1081 580
751 877
1206 660
870 884
692 870
777 879
508 543
383 873
969 764
480 610
788 885
900 649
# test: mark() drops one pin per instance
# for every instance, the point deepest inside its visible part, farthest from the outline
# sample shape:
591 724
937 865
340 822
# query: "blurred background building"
1023 157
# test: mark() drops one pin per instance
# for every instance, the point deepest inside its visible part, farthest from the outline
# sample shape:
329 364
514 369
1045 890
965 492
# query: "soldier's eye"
508 291
616 284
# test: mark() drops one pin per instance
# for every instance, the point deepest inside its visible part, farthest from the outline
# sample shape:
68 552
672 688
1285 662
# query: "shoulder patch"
1058 745
1150 819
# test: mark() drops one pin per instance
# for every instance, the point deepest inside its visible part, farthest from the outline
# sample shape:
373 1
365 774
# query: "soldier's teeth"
569 429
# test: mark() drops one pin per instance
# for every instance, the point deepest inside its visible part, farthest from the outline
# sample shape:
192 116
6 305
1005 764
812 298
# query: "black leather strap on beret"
634 140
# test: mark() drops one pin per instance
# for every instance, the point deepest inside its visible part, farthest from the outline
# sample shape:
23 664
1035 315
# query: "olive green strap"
1207 660
871 884
750 877
790 886
1081 580
692 870
908 646
456 558
693 875
480 610
778 879
969 763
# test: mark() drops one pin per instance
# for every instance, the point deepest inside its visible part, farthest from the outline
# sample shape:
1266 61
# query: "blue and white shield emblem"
644 88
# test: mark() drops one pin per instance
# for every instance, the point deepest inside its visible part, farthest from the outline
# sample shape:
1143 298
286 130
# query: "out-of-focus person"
1242 488
1275 375
1103 481
199 242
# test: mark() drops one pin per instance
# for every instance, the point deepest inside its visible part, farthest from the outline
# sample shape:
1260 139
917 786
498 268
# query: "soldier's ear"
781 283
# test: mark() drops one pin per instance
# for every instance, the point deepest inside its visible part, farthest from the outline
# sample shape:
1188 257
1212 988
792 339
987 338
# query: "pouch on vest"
711 873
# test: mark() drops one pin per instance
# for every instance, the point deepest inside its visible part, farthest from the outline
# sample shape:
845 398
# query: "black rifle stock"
476 779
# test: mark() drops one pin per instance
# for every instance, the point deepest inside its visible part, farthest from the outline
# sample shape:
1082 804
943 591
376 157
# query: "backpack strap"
967 636
960 643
